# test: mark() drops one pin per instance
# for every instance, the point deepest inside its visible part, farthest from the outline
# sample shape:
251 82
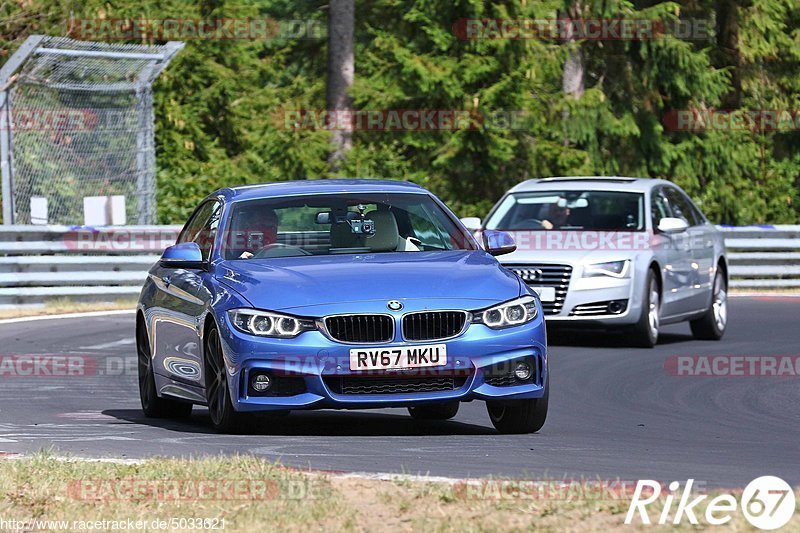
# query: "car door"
181 301
673 253
701 244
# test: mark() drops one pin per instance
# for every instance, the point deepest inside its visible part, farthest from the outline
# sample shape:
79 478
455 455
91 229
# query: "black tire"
711 326
520 416
152 405
224 417
645 332
441 411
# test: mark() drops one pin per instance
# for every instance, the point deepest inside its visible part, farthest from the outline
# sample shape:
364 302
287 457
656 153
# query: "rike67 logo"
768 503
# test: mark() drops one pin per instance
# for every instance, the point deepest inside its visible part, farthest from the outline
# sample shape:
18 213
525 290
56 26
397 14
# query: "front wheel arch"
644 333
140 323
657 271
722 264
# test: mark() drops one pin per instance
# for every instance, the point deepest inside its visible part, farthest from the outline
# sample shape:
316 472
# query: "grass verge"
62 306
248 494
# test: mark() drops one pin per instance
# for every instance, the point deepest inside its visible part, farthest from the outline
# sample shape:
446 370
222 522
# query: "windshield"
570 210
340 224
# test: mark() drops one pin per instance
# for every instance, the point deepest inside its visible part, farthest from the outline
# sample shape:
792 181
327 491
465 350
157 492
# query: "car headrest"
343 237
386 233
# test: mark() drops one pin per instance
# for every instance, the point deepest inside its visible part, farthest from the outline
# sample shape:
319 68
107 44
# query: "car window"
202 227
681 206
207 234
570 210
659 207
198 219
428 229
698 215
340 223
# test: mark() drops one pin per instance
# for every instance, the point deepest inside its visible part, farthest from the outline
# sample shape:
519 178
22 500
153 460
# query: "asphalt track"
616 412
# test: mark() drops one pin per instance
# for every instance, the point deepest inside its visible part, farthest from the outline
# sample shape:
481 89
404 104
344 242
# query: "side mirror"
471 223
183 255
498 242
672 225
323 217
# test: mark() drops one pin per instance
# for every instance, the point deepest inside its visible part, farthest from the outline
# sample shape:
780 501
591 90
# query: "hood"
328 281
576 246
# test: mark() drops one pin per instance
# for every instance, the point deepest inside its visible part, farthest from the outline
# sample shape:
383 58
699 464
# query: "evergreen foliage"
222 105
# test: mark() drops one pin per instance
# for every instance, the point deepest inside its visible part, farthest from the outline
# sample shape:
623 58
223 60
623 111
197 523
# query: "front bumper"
582 301
593 293
317 362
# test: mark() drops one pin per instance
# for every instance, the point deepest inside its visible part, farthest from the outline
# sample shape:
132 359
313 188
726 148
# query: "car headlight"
513 313
614 269
268 324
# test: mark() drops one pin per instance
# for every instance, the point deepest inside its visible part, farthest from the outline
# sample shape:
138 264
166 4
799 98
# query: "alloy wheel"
720 304
216 378
147 388
653 311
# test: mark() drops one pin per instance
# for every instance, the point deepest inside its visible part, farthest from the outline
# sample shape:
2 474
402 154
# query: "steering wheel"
265 252
525 224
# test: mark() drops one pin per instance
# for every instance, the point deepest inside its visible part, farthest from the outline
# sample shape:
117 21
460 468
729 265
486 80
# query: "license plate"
546 294
398 357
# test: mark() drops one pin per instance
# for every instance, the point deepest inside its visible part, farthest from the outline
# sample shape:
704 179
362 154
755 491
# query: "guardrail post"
6 72
5 163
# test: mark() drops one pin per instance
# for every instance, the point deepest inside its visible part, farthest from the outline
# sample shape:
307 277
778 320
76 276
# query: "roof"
321 186
594 183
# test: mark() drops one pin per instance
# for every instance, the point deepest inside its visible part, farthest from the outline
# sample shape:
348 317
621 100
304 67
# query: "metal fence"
76 121
42 263
38 264
763 256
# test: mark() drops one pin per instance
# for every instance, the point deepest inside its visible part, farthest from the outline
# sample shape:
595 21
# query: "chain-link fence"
77 122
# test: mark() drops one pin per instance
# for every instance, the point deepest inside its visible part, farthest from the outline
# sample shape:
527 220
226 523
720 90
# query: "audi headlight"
513 313
268 324
614 269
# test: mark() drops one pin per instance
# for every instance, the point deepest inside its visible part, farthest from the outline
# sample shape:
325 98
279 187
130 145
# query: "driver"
557 214
253 231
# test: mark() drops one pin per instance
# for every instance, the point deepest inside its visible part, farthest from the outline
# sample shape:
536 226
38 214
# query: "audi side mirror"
672 225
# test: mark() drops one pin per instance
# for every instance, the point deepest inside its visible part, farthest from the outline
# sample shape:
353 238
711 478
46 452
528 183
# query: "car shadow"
598 338
314 423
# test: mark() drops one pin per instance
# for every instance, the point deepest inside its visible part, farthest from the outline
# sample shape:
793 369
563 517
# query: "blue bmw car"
338 294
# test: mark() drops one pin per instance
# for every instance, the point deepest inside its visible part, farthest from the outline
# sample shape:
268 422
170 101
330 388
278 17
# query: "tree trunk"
572 80
341 68
728 49
574 74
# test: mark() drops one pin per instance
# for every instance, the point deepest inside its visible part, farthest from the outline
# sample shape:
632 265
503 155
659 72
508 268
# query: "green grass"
251 494
60 306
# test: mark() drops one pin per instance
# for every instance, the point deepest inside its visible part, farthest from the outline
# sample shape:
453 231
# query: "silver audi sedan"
616 252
